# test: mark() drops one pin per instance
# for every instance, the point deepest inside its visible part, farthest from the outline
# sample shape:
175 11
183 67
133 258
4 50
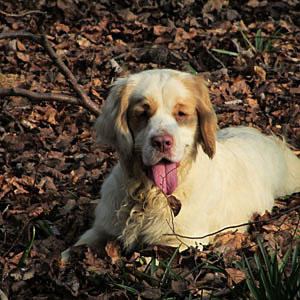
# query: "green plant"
27 251
261 43
274 280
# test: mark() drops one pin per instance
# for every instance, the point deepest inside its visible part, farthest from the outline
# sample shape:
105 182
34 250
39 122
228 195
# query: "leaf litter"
51 171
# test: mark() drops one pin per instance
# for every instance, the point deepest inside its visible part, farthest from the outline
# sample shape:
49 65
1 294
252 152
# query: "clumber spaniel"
171 155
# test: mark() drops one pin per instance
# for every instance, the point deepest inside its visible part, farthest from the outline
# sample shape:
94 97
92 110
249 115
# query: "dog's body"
164 129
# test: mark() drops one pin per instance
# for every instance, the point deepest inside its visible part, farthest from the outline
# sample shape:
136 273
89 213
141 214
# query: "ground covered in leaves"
51 171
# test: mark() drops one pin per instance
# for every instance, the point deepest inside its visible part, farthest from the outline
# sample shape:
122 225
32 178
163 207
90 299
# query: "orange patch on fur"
124 94
139 112
206 115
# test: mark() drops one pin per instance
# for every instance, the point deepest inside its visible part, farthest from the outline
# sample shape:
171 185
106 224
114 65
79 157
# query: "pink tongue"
165 176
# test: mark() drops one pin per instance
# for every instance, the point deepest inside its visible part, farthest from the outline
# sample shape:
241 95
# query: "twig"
38 96
216 59
234 226
21 35
22 14
42 40
84 98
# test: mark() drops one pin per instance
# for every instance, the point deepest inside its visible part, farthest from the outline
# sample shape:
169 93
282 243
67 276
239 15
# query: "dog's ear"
206 117
112 127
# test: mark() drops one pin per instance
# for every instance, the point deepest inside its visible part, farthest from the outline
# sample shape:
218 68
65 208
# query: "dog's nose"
162 143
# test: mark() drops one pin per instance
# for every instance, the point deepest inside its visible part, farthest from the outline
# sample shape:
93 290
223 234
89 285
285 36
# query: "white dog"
164 129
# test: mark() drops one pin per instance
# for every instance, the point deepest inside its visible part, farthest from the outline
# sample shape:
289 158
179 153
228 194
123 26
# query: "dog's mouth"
164 175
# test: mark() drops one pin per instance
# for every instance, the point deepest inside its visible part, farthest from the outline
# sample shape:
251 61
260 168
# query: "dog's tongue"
165 176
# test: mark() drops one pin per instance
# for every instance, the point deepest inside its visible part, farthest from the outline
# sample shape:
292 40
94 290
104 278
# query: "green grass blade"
274 37
264 277
295 259
191 69
127 288
266 258
168 267
122 265
171 272
259 40
284 260
153 266
28 249
248 41
143 274
194 269
225 52
250 279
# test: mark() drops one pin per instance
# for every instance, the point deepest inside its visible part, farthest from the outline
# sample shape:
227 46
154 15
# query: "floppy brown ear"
206 117
111 127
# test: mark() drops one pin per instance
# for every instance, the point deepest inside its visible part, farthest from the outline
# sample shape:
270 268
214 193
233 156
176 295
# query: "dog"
178 176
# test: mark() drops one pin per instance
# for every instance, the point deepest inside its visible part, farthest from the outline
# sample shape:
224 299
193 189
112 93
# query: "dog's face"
160 115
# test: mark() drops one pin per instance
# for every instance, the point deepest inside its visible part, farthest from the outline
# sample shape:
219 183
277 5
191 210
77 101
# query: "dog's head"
161 116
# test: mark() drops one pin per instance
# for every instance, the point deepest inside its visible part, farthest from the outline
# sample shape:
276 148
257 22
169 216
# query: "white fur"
247 172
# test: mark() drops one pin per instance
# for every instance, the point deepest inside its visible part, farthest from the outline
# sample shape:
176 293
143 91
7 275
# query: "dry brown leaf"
95 93
20 46
159 29
256 3
83 42
24 57
50 115
253 103
112 249
62 27
11 212
240 86
151 293
295 90
270 227
35 211
235 275
127 15
212 5
260 72
178 286
46 183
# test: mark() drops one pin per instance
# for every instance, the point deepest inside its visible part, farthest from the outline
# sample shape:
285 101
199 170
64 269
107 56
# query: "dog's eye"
180 115
143 111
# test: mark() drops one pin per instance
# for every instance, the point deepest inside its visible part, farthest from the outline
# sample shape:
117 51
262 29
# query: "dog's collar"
174 204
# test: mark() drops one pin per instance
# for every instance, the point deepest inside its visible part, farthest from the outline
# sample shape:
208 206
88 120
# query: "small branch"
22 14
21 35
215 58
38 96
42 40
233 226
84 98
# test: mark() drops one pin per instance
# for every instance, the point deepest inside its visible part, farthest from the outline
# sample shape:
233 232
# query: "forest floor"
51 171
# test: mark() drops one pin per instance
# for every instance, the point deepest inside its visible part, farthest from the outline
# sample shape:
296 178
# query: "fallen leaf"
24 57
178 286
260 72
112 249
50 115
159 30
20 46
212 5
83 42
295 90
235 275
151 293
253 103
